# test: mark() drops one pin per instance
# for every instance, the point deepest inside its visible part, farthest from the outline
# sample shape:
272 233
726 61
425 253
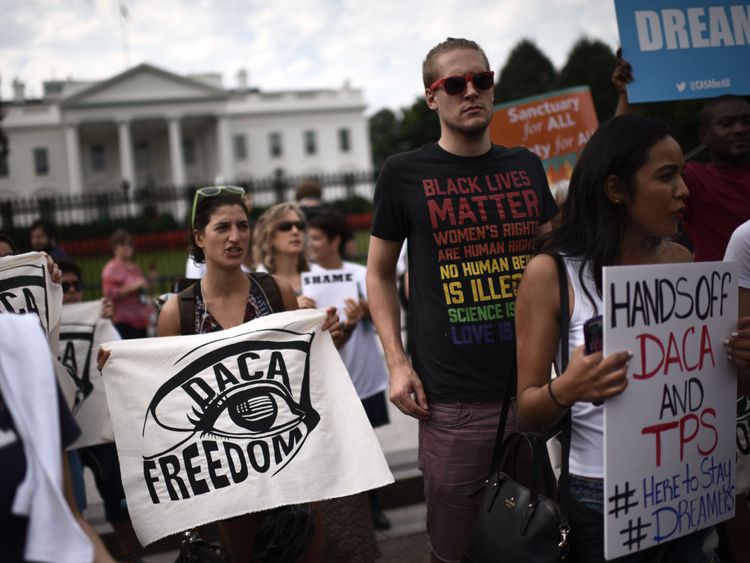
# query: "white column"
127 170
224 172
75 175
175 151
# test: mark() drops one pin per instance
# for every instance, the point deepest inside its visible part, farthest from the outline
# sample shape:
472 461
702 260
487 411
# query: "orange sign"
556 126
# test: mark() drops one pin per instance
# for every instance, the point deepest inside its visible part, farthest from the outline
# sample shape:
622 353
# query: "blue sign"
683 49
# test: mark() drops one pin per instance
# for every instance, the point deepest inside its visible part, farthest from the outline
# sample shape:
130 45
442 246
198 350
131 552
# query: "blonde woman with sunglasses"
280 247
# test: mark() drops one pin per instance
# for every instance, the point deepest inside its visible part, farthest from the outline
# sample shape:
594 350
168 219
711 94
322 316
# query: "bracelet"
554 399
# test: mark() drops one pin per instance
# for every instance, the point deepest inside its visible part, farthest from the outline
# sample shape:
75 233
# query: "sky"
376 45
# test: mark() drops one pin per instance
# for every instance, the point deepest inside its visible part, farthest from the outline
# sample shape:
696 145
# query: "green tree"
384 130
590 63
683 118
527 72
411 128
419 125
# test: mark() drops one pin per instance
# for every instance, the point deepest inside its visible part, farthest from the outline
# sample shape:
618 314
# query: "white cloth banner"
82 330
28 391
669 438
216 425
25 287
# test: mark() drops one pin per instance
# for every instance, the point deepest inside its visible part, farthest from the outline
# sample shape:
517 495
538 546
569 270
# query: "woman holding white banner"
625 201
227 297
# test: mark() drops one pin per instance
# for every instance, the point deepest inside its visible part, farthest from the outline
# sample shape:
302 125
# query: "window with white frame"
239 143
274 143
41 161
311 142
345 141
142 155
98 158
188 151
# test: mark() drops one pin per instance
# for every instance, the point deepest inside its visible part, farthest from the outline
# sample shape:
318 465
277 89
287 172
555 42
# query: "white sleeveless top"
586 443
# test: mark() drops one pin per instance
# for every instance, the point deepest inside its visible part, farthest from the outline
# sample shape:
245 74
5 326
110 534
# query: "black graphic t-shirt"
471 223
13 464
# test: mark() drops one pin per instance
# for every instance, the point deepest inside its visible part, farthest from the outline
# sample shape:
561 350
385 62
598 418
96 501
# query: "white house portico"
150 127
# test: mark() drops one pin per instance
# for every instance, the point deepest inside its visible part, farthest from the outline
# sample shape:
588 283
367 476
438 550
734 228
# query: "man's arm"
621 77
406 389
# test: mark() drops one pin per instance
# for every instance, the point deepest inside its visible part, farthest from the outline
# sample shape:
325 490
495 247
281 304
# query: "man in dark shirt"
470 211
719 199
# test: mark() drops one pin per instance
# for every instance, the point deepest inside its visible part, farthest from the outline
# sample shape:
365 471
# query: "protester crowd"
632 199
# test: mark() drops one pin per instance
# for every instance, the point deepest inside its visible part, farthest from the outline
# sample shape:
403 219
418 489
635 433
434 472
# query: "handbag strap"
500 434
564 482
565 430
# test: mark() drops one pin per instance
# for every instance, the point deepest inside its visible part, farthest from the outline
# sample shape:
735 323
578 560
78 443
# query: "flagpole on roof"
124 17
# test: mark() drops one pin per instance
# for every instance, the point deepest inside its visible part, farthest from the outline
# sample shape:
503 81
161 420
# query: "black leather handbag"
525 517
194 549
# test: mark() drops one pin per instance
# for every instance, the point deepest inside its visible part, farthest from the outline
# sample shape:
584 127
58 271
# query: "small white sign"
330 288
669 438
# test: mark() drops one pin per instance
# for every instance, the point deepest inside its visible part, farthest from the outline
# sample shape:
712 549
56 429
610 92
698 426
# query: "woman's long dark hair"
592 225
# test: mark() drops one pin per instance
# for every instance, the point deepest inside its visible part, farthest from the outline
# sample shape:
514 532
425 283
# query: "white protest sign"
25 287
669 438
330 288
216 425
82 330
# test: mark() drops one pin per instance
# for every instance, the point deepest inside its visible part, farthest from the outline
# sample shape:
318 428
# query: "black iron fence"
354 190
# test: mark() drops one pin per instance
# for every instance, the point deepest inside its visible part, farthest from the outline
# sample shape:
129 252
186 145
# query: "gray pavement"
405 542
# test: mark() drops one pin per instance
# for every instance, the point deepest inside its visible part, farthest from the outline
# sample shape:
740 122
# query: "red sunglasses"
457 84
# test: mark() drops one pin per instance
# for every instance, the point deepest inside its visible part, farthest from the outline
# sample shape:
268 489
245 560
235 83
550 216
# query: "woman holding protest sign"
226 297
625 200
279 247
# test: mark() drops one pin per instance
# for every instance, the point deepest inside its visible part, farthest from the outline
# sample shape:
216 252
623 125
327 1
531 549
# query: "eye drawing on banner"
238 403
75 355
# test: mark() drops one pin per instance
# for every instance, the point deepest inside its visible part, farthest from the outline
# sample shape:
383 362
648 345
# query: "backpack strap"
270 289
187 309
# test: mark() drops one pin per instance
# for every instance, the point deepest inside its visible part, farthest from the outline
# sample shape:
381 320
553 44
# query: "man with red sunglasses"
470 211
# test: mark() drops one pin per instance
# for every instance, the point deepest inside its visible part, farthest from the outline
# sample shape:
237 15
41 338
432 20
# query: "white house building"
148 126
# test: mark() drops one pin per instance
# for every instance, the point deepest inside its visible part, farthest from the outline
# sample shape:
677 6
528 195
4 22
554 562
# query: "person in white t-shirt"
327 236
738 250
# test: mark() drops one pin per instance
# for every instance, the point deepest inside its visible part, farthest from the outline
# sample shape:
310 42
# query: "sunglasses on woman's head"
287 225
211 191
457 84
